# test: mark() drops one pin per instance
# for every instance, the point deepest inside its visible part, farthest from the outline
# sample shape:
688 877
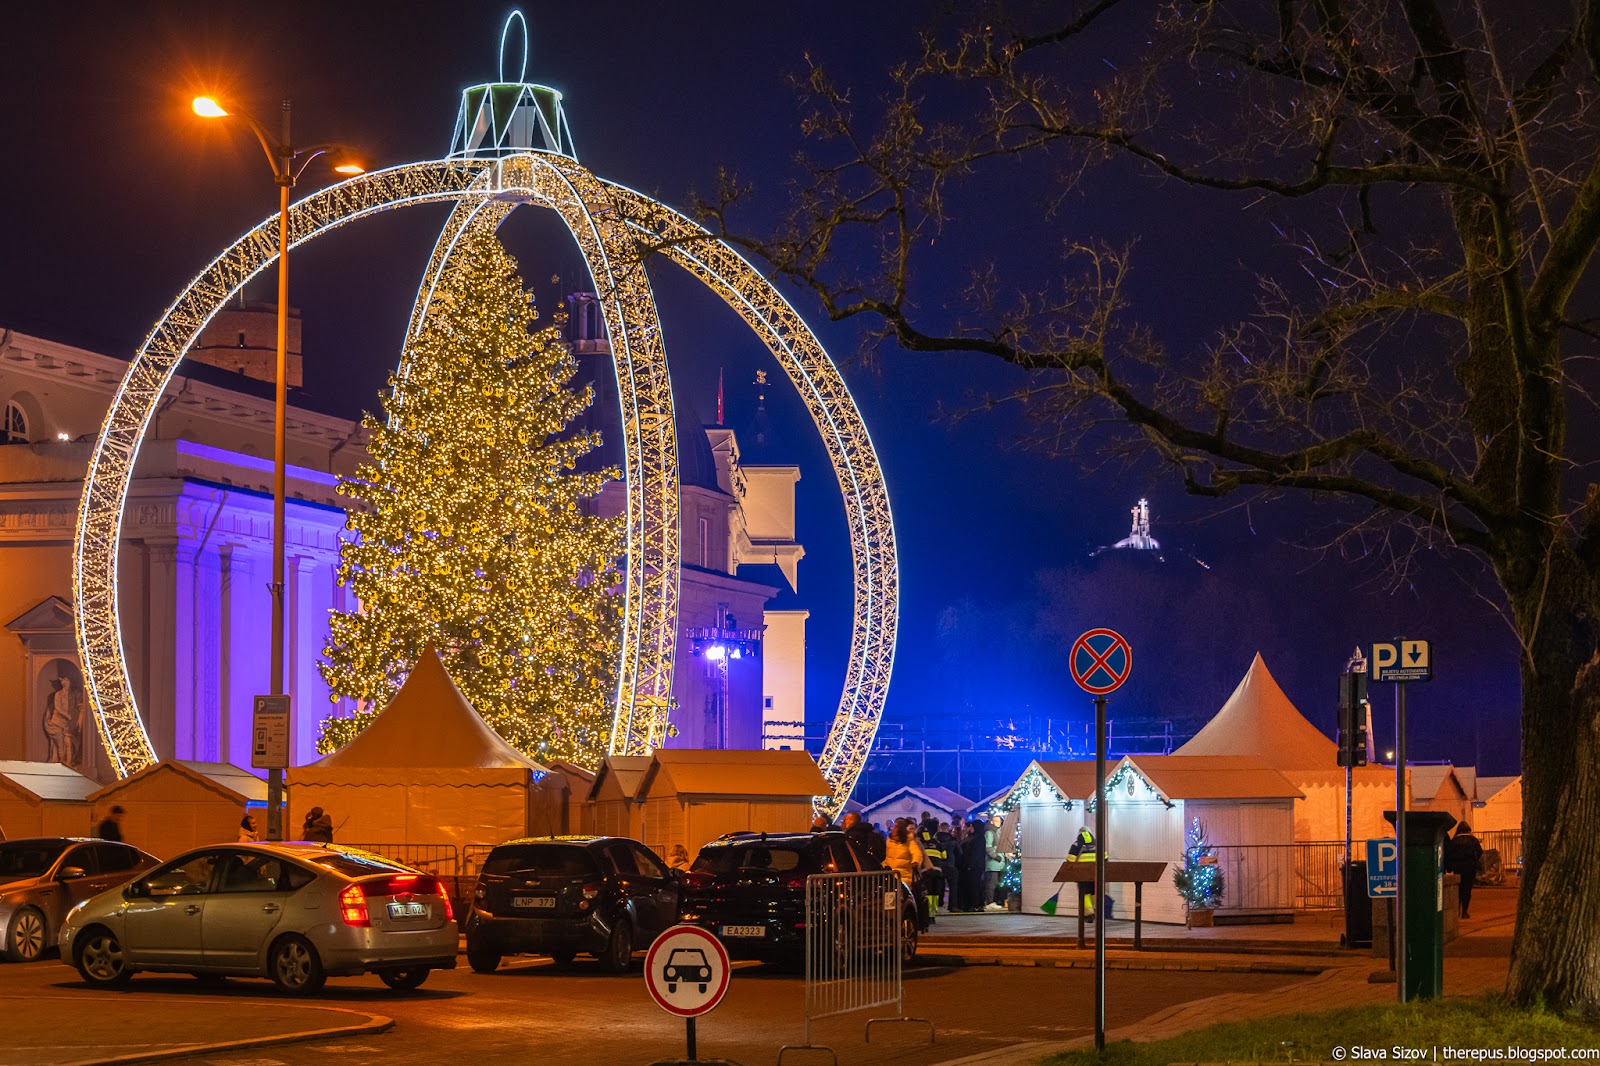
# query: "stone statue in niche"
63 713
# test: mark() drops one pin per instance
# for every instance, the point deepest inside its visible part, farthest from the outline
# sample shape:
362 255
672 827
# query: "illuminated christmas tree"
473 526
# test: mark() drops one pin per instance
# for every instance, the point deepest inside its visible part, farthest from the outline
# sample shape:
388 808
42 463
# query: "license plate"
533 901
756 931
408 910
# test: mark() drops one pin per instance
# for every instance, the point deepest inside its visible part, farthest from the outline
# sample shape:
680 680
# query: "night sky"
116 194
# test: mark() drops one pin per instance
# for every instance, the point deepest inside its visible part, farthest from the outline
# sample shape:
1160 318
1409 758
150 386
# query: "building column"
303 645
160 625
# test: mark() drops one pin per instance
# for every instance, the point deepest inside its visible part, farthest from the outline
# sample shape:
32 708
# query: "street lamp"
287 164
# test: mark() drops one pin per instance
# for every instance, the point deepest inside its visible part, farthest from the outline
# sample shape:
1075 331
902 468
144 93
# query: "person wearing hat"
318 826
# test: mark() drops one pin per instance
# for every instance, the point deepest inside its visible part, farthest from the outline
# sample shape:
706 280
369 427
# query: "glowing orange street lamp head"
349 168
206 107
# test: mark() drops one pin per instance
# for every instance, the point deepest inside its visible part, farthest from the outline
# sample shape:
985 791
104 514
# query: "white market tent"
1049 802
427 770
43 799
1260 721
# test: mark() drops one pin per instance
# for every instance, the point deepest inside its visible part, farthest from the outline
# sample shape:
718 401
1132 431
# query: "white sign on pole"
687 970
269 733
1402 660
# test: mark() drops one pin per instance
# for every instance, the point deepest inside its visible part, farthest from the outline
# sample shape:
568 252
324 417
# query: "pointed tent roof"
428 725
1259 720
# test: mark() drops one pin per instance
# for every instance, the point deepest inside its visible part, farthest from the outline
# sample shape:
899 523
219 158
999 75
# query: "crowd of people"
955 867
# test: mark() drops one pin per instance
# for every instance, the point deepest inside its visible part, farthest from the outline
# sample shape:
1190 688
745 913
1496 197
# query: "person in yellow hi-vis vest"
1083 850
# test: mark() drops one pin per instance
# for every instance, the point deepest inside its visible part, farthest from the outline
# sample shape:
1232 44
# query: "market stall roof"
626 770
1204 777
1259 720
47 780
1073 780
756 772
1426 781
1488 787
428 725
935 796
229 781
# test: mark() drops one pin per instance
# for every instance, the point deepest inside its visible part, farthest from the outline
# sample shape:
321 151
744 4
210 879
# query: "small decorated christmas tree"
1199 879
474 525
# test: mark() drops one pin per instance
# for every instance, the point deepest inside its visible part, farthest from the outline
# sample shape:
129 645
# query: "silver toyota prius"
295 912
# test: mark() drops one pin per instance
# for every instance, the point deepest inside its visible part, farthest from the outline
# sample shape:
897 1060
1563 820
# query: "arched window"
15 428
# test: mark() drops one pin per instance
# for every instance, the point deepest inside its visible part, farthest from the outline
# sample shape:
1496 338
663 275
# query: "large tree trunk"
1555 957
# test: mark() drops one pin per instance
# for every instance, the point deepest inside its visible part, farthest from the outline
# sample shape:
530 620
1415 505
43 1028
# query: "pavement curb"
374 1023
1307 969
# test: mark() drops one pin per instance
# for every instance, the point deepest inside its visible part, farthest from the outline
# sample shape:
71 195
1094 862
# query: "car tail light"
449 911
795 883
401 884
589 891
480 892
353 906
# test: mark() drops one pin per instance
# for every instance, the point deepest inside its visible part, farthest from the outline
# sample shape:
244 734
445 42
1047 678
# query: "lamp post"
287 164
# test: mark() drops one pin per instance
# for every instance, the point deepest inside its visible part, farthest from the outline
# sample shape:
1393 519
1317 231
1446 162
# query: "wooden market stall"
1041 814
690 797
1246 809
178 804
427 771
43 799
614 805
910 802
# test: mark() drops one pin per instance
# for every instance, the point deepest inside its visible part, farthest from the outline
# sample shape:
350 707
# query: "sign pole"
1099 873
1399 936
689 1023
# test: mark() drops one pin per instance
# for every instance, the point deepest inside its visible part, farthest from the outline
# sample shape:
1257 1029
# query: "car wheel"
294 966
618 957
908 937
482 959
404 980
101 961
27 938
673 988
563 958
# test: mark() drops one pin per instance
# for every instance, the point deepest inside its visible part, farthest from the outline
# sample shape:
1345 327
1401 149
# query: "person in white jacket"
902 853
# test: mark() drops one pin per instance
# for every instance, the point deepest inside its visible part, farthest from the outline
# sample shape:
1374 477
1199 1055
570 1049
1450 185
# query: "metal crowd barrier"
854 958
441 860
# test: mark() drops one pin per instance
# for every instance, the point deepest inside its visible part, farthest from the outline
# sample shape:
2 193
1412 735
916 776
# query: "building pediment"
50 615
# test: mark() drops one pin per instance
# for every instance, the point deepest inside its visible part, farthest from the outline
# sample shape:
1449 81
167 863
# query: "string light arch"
608 221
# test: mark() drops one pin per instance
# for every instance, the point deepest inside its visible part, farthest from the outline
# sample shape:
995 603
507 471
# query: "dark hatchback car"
42 878
565 896
750 890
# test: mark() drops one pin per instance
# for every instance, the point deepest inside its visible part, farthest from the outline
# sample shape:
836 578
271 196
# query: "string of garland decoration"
1030 785
1126 773
472 526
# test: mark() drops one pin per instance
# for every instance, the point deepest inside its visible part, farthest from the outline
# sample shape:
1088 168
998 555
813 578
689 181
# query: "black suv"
750 890
559 896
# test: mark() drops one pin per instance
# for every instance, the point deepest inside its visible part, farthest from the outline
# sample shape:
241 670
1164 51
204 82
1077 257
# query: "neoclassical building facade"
195 562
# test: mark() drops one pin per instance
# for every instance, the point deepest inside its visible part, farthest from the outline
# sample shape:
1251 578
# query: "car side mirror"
70 873
135 890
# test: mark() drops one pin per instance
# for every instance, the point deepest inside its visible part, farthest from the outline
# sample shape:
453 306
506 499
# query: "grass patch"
1476 1023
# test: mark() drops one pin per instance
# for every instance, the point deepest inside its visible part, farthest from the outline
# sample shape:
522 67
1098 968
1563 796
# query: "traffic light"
1353 719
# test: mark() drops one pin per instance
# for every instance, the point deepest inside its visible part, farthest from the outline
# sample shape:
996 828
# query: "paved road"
530 1009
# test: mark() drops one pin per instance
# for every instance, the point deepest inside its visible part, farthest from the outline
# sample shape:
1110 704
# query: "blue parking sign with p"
1383 868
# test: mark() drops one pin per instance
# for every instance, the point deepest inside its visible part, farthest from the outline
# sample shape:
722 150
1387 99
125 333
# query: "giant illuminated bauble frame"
611 224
